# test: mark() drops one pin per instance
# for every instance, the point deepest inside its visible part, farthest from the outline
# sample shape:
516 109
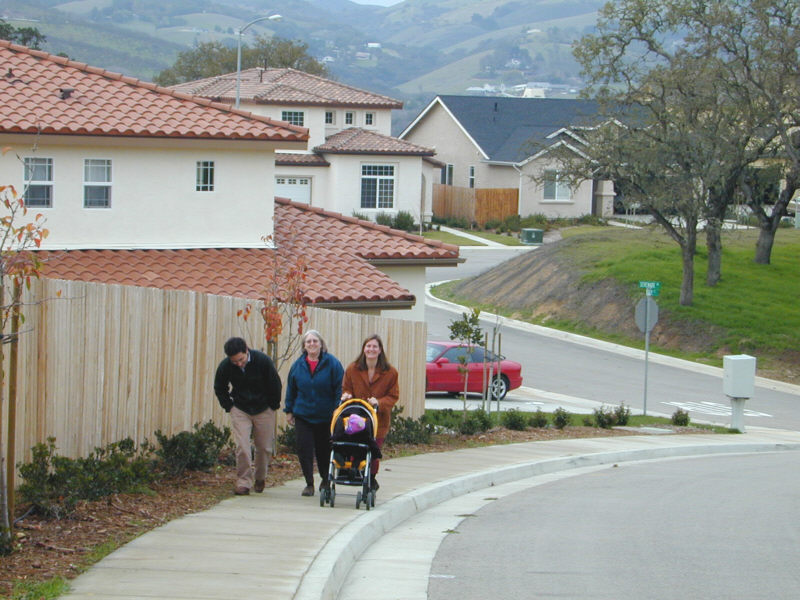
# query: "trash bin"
531 236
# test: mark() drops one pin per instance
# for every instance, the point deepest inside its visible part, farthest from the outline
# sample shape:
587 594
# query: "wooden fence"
474 205
99 363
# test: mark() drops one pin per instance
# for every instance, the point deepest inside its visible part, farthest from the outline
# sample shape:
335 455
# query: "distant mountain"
410 50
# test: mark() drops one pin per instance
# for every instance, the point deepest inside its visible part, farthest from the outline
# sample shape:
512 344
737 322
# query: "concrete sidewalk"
279 545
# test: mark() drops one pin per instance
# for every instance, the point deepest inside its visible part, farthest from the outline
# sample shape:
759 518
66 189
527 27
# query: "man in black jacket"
247 385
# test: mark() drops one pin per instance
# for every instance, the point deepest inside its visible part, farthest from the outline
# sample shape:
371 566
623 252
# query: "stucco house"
148 186
498 142
353 164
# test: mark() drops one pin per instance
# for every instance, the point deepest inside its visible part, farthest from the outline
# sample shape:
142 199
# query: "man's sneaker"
241 491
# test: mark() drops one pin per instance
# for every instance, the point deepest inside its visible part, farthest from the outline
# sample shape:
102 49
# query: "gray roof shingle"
512 129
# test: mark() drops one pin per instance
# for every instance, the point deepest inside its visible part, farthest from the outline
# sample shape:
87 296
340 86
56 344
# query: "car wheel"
499 387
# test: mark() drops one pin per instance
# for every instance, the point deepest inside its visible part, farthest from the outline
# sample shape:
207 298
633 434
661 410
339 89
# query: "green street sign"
651 288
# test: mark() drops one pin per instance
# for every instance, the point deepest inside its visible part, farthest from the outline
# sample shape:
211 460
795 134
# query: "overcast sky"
377 2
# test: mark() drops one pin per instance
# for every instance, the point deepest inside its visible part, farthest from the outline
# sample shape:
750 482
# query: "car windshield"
432 352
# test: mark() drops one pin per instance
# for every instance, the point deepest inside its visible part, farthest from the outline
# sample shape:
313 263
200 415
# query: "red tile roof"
285 86
291 159
361 141
48 94
240 272
339 251
365 239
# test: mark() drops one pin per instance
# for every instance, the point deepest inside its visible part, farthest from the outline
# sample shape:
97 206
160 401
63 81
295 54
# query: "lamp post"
239 50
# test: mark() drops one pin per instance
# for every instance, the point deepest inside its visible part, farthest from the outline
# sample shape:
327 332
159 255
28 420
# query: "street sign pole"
646 318
646 350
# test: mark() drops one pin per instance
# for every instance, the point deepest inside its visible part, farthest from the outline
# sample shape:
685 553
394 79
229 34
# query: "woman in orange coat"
371 378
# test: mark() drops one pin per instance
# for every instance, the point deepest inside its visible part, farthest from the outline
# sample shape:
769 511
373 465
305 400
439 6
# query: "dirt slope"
544 285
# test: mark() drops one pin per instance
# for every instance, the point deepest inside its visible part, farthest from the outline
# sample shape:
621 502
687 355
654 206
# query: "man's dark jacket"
252 390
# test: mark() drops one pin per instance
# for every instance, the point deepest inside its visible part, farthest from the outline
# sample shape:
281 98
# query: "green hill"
401 49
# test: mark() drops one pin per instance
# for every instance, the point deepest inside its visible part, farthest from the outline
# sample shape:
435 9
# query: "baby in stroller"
353 447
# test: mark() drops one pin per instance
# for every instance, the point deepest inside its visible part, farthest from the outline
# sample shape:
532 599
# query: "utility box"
531 236
739 375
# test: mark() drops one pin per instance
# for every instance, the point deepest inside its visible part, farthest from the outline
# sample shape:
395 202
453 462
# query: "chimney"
65 92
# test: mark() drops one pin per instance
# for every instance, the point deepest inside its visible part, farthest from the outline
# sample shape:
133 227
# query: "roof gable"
512 129
287 87
361 141
45 94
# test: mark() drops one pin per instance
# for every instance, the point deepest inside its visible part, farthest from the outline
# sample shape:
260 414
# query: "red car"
442 370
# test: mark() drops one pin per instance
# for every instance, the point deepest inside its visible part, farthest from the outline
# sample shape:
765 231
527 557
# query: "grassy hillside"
588 283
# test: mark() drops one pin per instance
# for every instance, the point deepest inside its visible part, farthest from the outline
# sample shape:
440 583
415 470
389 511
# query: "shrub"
404 221
622 414
445 418
538 419
384 219
477 421
54 484
287 439
561 418
604 417
590 220
492 224
680 418
405 430
512 222
193 451
362 216
536 221
514 419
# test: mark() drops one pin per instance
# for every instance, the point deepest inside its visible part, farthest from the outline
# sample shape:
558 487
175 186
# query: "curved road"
661 529
553 362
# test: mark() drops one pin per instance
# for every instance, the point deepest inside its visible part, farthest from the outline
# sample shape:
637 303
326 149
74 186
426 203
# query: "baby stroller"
353 447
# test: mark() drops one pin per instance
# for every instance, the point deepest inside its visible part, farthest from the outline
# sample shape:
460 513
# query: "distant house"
142 185
353 164
494 142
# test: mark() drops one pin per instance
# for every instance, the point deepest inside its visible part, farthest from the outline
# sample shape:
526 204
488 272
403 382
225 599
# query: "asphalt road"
688 528
554 363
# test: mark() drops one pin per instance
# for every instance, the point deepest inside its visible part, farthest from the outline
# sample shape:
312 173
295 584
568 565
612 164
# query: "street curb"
663 359
329 569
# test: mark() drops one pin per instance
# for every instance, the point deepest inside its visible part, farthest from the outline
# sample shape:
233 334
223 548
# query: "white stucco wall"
339 189
314 119
439 131
153 199
532 197
412 278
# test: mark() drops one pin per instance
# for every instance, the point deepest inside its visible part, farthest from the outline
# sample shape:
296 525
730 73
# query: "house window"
472 176
38 179
447 175
369 118
205 176
330 117
348 118
556 188
293 117
377 186
96 183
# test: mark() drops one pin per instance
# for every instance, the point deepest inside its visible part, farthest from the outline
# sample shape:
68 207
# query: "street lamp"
239 50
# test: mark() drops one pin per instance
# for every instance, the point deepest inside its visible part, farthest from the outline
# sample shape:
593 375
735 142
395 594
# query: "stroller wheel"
332 495
358 500
322 495
372 495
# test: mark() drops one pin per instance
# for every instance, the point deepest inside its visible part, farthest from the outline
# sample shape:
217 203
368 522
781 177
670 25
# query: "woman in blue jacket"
313 391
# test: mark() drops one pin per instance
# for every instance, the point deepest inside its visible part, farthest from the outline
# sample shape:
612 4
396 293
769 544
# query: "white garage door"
294 188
